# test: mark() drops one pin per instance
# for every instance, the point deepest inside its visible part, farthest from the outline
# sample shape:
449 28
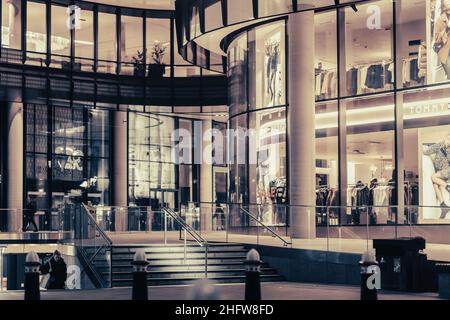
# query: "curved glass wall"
382 130
258 119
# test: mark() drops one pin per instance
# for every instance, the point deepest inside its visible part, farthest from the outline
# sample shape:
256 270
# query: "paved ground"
270 291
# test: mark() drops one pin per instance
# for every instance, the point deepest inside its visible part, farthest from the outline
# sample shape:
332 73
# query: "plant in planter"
139 63
157 68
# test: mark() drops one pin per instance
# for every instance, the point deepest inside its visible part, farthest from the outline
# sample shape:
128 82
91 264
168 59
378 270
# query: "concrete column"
206 177
301 125
15 165
120 169
15 23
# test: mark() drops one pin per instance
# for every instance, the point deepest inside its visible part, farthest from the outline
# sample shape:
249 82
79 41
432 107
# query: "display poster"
438 40
435 173
273 71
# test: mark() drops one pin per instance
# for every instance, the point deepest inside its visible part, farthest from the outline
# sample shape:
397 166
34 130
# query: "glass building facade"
71 87
381 107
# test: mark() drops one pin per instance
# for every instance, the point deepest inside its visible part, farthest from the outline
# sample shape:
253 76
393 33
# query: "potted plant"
157 68
139 64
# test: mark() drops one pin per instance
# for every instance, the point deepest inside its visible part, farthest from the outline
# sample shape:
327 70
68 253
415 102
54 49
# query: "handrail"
286 243
97 227
187 228
197 237
89 260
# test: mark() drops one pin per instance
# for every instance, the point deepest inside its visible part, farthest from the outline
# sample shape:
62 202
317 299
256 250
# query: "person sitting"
57 269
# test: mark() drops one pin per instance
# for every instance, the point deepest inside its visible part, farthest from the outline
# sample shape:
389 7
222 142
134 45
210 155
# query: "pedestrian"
29 214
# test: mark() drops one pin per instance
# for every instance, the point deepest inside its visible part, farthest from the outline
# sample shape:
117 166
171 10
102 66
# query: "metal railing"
95 247
2 248
258 221
187 229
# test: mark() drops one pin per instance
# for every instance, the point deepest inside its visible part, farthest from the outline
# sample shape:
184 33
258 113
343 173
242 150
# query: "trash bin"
403 265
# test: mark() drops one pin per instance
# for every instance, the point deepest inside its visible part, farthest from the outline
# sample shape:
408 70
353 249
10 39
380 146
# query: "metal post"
227 216
32 273
140 265
252 276
1 268
185 245
165 227
370 277
206 261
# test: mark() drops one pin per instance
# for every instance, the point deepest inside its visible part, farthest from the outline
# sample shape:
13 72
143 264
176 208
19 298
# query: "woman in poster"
440 153
442 37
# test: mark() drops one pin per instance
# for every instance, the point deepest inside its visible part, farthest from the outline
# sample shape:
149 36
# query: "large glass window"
12 24
327 163
132 47
84 41
426 143
60 40
325 55
158 46
371 174
237 75
368 47
107 42
36 33
152 169
267 63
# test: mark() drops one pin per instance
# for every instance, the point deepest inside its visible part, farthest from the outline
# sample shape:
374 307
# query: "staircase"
167 265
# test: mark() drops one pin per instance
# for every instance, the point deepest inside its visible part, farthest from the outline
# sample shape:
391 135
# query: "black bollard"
140 265
252 276
32 273
370 277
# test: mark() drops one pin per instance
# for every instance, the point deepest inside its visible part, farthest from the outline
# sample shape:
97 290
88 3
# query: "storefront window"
238 160
267 163
266 59
371 174
426 139
327 163
368 48
237 75
325 55
413 41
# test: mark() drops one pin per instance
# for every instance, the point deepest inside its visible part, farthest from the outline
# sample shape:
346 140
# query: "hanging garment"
414 70
374 79
423 61
352 81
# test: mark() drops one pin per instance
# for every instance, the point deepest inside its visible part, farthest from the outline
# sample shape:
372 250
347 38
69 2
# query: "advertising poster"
435 173
438 43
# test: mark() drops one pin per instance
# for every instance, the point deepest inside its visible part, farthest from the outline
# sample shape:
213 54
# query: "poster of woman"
439 39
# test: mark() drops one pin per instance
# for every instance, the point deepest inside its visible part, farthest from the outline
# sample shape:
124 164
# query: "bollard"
140 265
32 273
370 277
252 276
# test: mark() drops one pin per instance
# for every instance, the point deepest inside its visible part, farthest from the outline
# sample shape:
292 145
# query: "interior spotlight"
354 7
